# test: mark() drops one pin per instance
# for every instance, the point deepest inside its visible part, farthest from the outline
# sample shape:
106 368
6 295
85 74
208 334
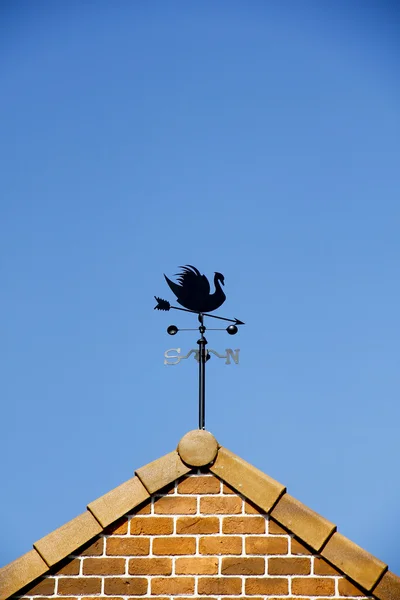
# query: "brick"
196 566
174 545
172 585
66 539
289 566
220 585
94 549
243 566
145 509
175 505
91 598
266 586
306 524
247 480
120 527
348 589
47 598
313 586
80 586
243 525
127 546
388 588
103 566
251 509
126 586
297 548
244 598
220 545
221 505
190 598
162 472
321 567
64 597
151 525
143 598
275 529
166 490
353 561
119 501
194 525
266 545
45 587
150 566
199 485
227 489
70 568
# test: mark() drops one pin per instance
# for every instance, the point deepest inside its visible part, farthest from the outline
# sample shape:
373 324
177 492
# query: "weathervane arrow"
165 305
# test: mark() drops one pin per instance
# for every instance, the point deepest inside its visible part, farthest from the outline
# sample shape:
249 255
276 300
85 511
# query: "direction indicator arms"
193 293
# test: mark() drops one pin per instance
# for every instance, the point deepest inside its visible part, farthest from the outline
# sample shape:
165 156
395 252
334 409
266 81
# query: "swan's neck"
217 283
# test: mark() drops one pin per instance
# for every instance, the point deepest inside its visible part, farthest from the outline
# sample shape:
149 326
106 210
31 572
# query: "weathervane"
193 293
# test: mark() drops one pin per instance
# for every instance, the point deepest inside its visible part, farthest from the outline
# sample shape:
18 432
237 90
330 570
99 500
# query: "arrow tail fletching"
162 304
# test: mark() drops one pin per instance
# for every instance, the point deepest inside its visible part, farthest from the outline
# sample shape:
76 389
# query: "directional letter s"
172 359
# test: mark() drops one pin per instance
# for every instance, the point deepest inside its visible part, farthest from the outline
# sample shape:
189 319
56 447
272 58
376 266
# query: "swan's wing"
176 289
191 279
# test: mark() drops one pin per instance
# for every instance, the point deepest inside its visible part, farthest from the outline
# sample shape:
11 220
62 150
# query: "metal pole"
202 374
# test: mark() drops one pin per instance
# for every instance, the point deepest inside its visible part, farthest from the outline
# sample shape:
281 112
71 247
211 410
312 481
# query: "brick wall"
199 538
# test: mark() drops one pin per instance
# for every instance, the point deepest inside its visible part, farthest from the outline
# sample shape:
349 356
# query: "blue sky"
259 139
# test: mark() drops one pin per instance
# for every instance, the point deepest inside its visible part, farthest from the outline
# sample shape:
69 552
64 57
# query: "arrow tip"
237 322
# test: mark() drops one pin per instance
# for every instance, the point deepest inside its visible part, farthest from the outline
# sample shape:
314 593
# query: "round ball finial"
198 448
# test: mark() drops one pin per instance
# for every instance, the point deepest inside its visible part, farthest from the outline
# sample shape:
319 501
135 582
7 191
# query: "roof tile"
247 480
355 562
388 588
57 545
306 524
119 501
162 471
20 572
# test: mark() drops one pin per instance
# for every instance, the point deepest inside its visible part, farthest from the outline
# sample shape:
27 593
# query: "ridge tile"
352 560
66 539
119 501
162 471
20 572
309 526
388 588
247 480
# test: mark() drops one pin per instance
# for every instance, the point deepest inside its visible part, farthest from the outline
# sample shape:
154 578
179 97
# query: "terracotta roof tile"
119 501
162 471
352 560
247 480
63 541
19 573
388 588
306 524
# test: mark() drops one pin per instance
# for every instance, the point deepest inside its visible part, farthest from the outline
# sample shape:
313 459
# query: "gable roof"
199 449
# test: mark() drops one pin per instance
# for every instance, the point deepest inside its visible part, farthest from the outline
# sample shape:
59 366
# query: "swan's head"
219 277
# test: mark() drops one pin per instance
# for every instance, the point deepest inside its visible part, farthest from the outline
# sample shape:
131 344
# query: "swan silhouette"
193 290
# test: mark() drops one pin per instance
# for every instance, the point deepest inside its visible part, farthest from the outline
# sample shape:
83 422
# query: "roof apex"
196 449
